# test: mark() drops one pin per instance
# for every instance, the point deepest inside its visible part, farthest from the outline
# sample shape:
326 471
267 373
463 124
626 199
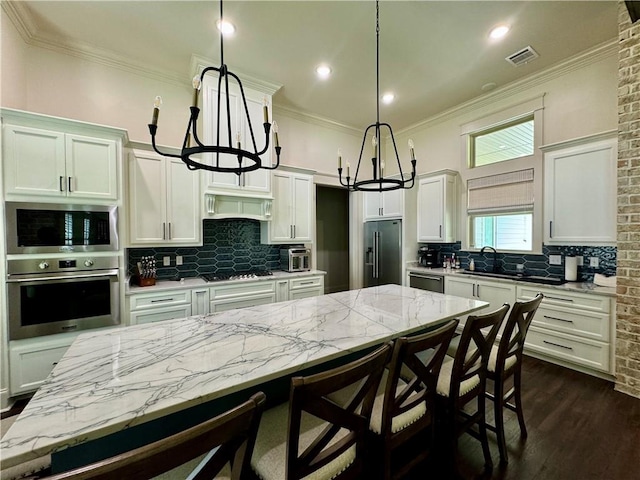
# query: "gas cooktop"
217 277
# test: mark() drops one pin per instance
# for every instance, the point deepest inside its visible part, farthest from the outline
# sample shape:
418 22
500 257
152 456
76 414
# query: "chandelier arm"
152 130
246 112
273 167
193 125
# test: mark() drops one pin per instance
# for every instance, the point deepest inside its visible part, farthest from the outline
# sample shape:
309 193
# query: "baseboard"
572 366
5 402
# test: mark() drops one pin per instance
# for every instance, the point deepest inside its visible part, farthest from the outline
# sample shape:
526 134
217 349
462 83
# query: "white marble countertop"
118 378
577 287
195 282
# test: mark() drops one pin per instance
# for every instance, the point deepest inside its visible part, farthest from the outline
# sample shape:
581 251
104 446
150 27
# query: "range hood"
228 205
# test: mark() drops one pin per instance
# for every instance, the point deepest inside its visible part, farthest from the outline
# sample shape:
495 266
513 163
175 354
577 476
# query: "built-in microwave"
60 228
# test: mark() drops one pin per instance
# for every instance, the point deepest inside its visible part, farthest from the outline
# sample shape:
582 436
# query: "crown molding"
588 57
315 120
576 142
19 15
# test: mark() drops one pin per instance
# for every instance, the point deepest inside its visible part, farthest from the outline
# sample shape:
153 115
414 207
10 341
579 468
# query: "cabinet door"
495 293
282 290
147 202
92 170
431 210
200 301
393 203
183 212
30 366
580 194
372 205
160 314
459 287
281 224
258 180
301 207
34 162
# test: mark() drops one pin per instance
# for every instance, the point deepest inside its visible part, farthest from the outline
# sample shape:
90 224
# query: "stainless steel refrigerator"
382 252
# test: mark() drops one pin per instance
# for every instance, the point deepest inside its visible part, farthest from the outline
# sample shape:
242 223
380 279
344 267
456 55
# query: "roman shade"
505 192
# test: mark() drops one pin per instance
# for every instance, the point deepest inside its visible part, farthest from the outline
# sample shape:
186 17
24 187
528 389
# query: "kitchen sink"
517 277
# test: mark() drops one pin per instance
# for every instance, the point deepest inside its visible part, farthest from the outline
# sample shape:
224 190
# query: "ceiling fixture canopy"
379 183
248 159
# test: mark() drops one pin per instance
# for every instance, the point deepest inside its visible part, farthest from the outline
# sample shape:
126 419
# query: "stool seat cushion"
493 358
399 422
444 380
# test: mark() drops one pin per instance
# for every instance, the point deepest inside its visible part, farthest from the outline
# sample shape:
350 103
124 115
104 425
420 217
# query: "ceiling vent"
523 56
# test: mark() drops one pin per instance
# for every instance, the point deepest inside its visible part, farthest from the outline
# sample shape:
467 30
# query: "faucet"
495 257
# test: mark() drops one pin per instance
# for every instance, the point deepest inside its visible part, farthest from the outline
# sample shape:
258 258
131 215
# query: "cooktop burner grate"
218 277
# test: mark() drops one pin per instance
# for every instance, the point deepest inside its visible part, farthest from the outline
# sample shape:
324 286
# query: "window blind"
506 192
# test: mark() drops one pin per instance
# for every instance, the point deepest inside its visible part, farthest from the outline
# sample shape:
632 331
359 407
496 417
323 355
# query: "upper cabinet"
580 193
254 183
55 161
437 207
292 213
380 205
163 201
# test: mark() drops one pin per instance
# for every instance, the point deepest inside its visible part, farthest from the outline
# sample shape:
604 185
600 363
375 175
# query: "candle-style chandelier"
379 183
248 159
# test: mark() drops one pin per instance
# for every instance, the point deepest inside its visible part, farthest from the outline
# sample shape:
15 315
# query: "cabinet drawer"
158 315
307 282
305 293
242 289
159 299
572 321
594 303
585 352
241 302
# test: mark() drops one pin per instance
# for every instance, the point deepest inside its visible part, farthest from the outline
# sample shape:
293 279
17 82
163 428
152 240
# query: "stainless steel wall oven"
62 295
60 228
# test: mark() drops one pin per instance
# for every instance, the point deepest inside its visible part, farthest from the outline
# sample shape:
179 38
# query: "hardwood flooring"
579 429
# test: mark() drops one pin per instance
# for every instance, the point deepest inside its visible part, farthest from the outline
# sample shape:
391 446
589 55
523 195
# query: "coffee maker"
428 257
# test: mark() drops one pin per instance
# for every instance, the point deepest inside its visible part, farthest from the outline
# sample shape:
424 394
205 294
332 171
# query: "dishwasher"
426 281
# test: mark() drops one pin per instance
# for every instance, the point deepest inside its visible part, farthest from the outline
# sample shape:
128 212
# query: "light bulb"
275 133
156 110
265 109
339 158
196 82
157 102
413 155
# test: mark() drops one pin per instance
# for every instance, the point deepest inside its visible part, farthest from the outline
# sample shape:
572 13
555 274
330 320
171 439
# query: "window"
505 142
500 209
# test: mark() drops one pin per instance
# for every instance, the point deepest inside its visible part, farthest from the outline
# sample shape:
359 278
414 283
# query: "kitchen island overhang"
113 380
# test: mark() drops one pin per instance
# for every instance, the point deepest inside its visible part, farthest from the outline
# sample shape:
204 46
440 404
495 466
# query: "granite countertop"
195 282
575 287
115 379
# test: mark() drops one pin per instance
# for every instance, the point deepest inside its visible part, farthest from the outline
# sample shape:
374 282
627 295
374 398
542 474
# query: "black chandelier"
253 156
378 183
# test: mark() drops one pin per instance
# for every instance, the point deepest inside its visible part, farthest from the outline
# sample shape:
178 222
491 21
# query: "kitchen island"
111 381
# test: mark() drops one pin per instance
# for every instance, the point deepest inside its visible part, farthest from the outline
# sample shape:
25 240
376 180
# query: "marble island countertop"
577 287
195 282
115 379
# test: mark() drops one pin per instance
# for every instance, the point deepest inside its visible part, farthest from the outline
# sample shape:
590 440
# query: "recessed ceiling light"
388 98
323 71
499 31
225 27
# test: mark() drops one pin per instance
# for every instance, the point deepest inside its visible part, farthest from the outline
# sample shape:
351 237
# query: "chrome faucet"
495 257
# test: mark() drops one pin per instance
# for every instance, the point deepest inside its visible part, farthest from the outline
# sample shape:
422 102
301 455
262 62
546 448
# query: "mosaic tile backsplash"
228 246
537 264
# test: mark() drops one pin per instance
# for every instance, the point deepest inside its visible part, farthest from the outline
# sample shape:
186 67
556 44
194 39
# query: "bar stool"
505 362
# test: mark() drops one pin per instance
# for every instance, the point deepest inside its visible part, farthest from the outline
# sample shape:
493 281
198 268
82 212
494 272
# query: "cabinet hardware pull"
558 345
169 230
61 183
560 298
473 294
70 327
440 234
164 231
70 184
54 363
550 228
162 300
477 290
307 283
294 231
559 319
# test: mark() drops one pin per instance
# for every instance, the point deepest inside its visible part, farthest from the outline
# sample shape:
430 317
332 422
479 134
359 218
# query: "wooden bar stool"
505 362
316 436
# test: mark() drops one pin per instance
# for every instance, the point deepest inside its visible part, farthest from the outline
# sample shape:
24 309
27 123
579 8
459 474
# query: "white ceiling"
433 55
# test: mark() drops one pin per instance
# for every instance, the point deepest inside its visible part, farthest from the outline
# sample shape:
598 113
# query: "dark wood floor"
579 429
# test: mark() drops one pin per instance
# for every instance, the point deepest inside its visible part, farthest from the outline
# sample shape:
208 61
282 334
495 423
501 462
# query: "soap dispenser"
472 265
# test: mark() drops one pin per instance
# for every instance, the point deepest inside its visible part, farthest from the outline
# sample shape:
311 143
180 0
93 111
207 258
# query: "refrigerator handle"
378 255
375 254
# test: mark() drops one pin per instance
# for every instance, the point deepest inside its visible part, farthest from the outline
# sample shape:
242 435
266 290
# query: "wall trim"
574 142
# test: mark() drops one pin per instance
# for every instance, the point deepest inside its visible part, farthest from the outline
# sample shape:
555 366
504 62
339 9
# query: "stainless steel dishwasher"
426 281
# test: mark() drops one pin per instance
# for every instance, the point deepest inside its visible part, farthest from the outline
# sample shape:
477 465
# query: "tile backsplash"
537 264
228 246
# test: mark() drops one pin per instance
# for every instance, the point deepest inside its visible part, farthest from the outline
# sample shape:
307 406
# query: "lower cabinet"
572 329
32 360
306 287
240 295
496 293
157 306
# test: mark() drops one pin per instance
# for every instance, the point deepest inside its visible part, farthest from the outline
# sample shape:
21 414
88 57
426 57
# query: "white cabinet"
292 213
256 182
496 293
156 306
282 290
240 295
45 163
572 329
378 205
437 207
163 201
305 287
580 194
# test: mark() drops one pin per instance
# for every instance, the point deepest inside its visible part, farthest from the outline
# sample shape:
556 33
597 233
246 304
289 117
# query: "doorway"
332 236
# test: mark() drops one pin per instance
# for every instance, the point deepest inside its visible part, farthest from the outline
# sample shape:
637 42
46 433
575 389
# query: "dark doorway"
332 235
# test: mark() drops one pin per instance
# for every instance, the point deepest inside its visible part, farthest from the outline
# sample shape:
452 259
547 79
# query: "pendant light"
248 158
378 182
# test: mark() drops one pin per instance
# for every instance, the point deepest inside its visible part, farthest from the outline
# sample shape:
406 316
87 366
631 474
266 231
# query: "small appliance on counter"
428 257
296 259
